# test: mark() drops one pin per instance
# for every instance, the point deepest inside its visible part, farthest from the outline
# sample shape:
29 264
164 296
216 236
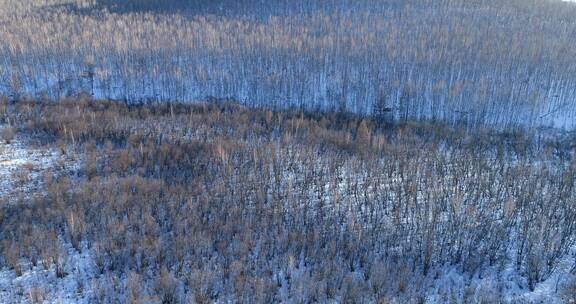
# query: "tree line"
499 63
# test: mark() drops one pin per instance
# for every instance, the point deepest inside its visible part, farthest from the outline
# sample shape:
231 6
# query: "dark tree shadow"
253 8
248 8
160 6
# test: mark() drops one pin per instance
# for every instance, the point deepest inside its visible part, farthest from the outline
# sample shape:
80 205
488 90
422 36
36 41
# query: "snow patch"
22 167
39 285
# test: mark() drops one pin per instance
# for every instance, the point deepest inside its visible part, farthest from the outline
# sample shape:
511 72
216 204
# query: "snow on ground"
22 167
492 284
39 285
21 174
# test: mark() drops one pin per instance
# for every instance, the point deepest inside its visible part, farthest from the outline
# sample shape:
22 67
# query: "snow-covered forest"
175 203
482 62
280 151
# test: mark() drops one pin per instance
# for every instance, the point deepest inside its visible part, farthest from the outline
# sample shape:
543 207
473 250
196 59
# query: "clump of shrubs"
7 134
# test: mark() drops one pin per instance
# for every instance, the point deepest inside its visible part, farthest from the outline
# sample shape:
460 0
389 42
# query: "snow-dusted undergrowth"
40 284
362 192
22 170
494 285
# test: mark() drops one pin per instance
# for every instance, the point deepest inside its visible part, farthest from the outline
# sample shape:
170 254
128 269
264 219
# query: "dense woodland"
218 202
483 62
280 151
